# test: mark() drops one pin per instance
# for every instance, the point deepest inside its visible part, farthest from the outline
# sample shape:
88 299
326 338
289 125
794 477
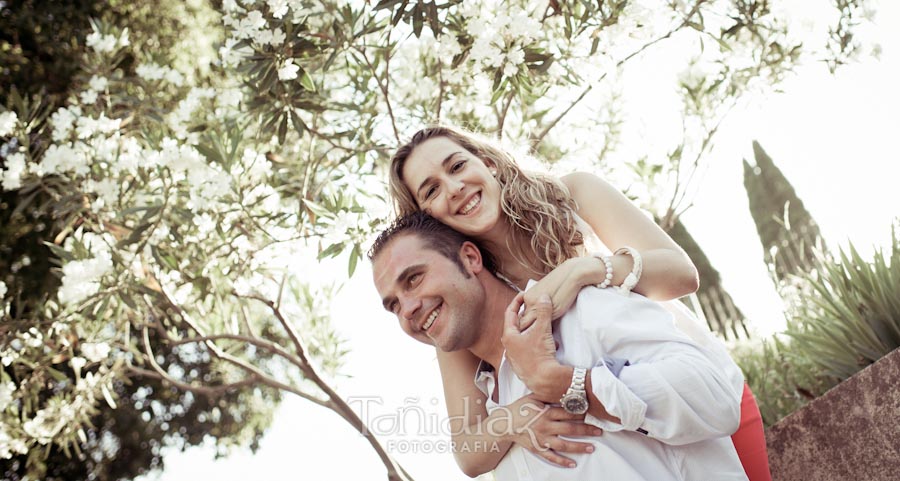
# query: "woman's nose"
455 187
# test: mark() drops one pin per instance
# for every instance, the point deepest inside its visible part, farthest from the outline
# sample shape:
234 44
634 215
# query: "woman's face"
454 186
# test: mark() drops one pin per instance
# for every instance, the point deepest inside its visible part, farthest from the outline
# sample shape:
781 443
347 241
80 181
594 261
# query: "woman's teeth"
471 205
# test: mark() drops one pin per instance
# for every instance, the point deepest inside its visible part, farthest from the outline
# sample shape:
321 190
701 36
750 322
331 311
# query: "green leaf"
298 123
306 81
332 251
417 19
318 209
282 129
355 255
60 252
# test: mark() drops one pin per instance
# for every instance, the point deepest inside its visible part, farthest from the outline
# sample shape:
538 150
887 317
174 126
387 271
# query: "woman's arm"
668 272
480 441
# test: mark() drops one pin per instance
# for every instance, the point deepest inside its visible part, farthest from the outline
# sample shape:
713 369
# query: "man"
666 408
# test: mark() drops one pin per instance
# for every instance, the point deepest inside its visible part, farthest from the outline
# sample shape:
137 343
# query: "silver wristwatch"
575 400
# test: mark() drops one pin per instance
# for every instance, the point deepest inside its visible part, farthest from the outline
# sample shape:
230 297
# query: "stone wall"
852 432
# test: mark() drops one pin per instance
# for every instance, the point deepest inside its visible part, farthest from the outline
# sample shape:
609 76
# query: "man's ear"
471 257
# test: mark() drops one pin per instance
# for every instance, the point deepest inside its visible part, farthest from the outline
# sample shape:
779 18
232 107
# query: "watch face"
575 405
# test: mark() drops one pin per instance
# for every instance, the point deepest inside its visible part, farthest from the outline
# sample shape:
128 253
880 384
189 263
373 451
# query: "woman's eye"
428 193
457 166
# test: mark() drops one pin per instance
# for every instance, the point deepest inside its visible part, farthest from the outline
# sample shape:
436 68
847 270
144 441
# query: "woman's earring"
494 172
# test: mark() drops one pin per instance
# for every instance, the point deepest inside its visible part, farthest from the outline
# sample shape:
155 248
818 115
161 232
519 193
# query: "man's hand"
531 352
537 427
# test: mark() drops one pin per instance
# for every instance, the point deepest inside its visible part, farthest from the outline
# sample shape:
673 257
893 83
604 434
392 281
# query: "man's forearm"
554 380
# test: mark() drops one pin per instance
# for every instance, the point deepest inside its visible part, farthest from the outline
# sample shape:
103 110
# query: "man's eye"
414 279
393 307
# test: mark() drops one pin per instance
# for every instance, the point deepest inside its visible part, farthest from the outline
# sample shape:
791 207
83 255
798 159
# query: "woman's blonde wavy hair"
539 207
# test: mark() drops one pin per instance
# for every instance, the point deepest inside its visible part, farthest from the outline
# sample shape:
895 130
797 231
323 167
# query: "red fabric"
750 440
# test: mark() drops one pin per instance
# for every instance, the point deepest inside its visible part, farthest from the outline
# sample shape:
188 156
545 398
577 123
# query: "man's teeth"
471 205
431 319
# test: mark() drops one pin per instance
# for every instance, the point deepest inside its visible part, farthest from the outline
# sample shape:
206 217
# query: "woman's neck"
500 242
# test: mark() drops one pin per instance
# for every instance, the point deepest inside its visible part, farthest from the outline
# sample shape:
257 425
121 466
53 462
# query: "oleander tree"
191 199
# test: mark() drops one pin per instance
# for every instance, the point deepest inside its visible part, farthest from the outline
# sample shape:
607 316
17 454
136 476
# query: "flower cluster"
106 43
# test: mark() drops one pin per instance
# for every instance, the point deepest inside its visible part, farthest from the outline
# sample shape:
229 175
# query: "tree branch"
395 472
540 137
384 87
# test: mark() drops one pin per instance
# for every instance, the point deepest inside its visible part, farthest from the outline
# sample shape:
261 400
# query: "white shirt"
672 390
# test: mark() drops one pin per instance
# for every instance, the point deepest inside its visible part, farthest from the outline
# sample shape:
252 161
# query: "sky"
833 137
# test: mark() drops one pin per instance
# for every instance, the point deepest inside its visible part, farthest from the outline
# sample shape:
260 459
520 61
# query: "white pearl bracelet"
634 276
607 261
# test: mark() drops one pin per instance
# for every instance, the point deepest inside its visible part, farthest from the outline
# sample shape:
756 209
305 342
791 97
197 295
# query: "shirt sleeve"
671 390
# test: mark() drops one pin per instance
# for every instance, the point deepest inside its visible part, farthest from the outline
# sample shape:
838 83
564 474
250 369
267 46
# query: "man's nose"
409 308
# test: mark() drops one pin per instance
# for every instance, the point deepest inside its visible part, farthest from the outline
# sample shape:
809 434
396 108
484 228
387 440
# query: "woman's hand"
530 351
562 284
537 427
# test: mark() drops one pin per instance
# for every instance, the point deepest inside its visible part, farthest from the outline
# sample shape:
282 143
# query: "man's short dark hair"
434 234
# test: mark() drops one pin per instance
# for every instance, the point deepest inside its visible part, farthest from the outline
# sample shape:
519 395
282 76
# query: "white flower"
45 425
98 83
81 278
2 289
88 97
476 27
10 446
278 7
250 25
70 293
205 224
510 70
288 71
62 158
6 395
524 27
230 98
516 56
448 47
12 175
150 71
485 52
77 363
62 121
95 351
174 77
468 9
123 39
277 37
8 122
102 43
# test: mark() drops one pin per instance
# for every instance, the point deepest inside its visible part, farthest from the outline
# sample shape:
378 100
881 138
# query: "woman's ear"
471 257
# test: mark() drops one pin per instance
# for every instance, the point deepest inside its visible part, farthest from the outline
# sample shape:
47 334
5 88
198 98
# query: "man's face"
434 300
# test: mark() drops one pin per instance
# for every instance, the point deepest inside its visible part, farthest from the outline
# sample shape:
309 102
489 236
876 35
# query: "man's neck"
499 295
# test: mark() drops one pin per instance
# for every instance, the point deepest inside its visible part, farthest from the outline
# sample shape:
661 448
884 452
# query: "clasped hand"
538 427
531 351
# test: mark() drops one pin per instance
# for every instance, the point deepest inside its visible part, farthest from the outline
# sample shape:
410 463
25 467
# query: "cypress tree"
722 315
786 229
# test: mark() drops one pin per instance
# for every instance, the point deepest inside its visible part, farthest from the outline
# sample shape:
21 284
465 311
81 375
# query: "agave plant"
781 381
847 313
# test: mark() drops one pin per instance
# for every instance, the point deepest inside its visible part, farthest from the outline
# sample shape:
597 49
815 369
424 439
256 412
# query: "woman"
537 227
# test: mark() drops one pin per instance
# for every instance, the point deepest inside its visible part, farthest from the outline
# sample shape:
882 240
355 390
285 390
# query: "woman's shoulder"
582 181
